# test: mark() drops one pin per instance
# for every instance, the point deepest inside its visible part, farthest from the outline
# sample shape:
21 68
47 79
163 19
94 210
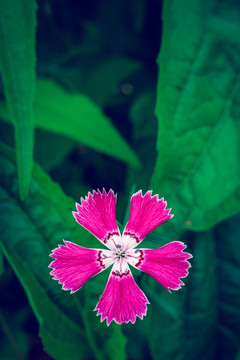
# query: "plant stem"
89 334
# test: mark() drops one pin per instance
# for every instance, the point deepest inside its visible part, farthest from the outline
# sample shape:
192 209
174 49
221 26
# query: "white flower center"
120 253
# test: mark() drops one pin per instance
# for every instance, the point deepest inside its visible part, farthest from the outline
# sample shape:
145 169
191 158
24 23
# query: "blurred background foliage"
125 95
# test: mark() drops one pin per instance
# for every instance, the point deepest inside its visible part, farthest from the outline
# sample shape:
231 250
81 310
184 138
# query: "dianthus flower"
122 300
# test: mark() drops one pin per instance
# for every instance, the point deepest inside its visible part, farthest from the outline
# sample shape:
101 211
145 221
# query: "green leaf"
115 346
198 109
49 149
17 65
30 229
77 117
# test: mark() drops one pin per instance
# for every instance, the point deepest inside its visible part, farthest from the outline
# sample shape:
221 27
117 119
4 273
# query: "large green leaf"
76 116
17 65
29 230
198 110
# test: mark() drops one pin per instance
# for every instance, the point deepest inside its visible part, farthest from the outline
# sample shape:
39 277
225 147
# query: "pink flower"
122 300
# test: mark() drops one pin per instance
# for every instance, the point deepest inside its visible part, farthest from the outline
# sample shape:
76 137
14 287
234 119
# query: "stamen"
120 254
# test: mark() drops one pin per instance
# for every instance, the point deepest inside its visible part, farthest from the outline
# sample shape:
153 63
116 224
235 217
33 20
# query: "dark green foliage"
77 118
17 67
40 221
108 115
13 341
228 334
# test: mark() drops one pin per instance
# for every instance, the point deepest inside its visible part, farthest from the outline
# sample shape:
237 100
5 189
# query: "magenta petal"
122 300
97 213
166 264
74 265
146 213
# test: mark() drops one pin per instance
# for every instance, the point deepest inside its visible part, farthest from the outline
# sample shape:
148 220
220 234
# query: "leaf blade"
17 62
197 109
76 116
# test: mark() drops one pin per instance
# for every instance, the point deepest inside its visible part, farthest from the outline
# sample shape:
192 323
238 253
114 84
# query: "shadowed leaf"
17 66
77 117
41 222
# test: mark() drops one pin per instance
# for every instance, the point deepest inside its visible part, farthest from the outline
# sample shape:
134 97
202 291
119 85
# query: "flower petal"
166 264
97 214
122 300
74 264
146 213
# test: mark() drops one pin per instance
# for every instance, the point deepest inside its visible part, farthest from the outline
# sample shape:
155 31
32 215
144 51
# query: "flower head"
122 300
